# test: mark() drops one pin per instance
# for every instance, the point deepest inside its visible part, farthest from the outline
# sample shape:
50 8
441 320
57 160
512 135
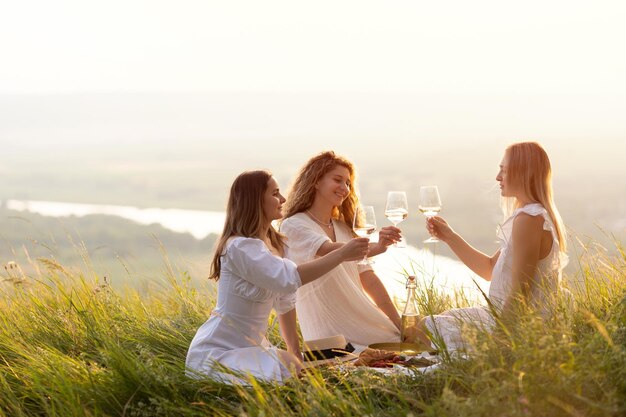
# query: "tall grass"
71 345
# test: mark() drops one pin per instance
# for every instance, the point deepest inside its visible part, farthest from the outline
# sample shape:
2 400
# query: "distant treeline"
111 243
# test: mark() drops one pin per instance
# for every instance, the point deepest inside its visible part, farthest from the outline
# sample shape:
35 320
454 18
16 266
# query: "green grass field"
72 345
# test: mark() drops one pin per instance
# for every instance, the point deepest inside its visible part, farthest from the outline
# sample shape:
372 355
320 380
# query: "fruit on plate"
378 358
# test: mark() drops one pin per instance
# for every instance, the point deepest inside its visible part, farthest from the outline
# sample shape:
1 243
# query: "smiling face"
272 201
334 186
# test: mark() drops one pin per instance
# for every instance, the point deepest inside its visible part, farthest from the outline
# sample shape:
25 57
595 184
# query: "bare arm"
475 260
289 331
351 251
527 233
328 247
377 292
388 235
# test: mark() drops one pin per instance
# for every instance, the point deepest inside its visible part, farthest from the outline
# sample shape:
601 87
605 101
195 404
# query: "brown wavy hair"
529 170
302 192
245 216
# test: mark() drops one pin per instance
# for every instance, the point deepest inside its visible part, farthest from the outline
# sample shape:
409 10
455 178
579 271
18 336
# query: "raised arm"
250 258
328 246
351 251
474 259
388 235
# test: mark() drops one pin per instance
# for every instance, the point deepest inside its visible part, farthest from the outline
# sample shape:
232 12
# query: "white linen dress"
336 302
252 282
449 325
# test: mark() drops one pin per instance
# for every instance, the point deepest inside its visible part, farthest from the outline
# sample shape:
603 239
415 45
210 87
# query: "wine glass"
396 210
429 205
364 224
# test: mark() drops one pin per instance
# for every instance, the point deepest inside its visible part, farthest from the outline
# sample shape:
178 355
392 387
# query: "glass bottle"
410 315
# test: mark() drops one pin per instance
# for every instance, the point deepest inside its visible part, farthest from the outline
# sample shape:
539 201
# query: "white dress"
336 302
449 325
252 282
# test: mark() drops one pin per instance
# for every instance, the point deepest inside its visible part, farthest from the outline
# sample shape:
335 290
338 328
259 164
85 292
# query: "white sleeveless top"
449 325
548 276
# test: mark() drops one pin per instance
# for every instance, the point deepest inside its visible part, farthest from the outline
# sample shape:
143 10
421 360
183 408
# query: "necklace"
318 221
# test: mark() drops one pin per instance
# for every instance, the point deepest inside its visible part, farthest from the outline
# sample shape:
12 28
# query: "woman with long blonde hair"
254 278
526 270
349 300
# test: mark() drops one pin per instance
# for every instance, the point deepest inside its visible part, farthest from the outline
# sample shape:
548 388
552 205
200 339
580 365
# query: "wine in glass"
396 210
364 224
429 205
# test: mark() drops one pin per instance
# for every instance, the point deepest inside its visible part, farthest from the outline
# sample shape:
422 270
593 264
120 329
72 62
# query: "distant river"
445 274
198 223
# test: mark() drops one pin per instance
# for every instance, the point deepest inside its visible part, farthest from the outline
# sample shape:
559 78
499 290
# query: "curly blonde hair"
302 192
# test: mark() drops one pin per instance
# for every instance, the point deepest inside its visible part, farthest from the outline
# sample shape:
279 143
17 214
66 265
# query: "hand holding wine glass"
429 205
355 249
396 210
439 228
364 224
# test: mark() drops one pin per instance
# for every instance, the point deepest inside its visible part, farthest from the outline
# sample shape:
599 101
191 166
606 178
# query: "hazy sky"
486 47
299 77
161 103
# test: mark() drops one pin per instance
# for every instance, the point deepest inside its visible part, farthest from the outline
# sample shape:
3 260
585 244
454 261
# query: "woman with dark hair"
254 278
349 300
526 270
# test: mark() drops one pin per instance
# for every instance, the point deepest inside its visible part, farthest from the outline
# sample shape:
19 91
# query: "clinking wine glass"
396 210
364 224
429 205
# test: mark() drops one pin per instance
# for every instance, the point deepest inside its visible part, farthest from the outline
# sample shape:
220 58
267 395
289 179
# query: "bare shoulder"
526 226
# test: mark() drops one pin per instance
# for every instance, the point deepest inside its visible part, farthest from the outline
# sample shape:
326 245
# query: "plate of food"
410 349
383 358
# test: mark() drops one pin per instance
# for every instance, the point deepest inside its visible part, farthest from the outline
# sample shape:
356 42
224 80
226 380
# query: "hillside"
126 252
75 346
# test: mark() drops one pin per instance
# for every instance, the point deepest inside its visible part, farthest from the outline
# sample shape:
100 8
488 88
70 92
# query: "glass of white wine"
396 210
364 224
429 205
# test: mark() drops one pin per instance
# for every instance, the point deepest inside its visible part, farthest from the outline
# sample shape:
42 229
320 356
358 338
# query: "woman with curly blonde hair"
349 300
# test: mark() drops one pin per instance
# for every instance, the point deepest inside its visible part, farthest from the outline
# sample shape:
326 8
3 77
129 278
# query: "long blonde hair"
245 216
529 170
302 192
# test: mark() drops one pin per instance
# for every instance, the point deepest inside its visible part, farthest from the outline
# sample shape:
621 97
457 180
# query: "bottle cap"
410 281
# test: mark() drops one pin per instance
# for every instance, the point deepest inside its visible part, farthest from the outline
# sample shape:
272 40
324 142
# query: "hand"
355 249
389 235
439 228
297 353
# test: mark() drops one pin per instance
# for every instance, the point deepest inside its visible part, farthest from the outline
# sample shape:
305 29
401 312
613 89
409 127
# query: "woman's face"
273 201
334 186
502 177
